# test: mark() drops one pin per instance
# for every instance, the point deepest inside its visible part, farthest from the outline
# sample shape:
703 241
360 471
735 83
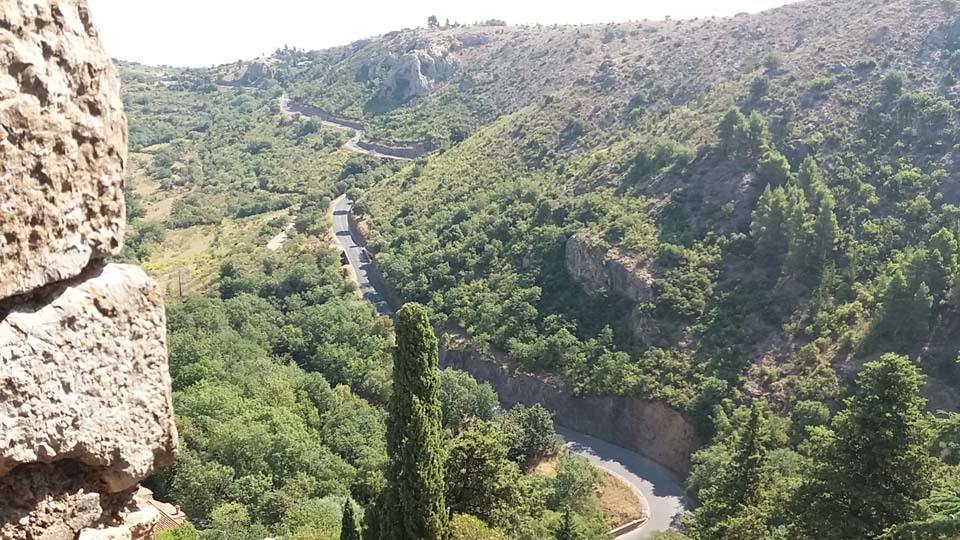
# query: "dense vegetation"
282 375
781 189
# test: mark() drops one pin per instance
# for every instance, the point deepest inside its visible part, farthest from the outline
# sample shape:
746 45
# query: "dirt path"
277 241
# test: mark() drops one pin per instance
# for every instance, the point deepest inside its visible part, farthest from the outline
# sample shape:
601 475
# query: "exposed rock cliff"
649 427
85 408
414 72
258 70
603 270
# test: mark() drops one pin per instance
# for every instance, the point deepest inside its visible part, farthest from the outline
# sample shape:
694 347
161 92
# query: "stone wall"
85 407
649 427
407 150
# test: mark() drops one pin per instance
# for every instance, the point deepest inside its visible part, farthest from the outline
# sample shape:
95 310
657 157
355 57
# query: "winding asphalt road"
661 489
357 256
353 145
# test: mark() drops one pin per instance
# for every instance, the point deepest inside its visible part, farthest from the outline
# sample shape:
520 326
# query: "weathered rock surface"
63 144
258 70
85 408
55 502
602 270
137 524
414 72
83 376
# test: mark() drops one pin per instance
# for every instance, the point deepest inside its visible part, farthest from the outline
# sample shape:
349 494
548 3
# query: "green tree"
462 398
810 178
413 505
873 466
904 311
731 504
757 133
480 479
568 529
186 531
350 525
767 225
825 231
773 168
733 133
531 434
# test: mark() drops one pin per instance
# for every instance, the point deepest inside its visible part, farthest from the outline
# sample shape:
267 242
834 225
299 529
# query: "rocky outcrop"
414 72
84 372
602 270
62 145
257 71
85 407
651 428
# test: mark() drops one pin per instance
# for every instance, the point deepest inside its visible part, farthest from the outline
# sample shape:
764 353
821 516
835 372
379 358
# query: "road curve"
353 145
661 489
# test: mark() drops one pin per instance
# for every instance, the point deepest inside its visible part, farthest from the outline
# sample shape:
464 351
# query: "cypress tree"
567 529
350 526
413 506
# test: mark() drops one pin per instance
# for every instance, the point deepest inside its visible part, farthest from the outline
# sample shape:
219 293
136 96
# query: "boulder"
83 377
63 144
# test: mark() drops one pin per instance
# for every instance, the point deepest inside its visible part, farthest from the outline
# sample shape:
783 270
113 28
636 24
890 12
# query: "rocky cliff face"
414 72
85 407
649 427
602 270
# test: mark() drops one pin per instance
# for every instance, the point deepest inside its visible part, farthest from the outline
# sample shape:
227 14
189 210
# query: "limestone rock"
63 144
55 502
83 376
603 270
258 70
414 72
136 525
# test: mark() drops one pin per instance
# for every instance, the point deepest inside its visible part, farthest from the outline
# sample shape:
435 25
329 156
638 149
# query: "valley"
720 243
662 492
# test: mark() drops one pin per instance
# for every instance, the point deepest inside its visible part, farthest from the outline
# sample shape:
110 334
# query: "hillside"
612 134
737 217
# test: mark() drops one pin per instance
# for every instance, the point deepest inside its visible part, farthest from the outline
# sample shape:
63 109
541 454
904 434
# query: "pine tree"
733 133
905 310
733 503
757 133
942 267
767 225
350 526
874 467
798 231
810 178
567 529
413 506
825 230
773 169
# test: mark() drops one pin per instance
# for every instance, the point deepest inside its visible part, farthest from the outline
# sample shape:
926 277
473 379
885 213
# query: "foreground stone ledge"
83 376
63 144
56 502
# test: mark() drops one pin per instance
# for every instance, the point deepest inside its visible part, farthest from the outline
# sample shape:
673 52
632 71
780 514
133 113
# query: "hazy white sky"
206 32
